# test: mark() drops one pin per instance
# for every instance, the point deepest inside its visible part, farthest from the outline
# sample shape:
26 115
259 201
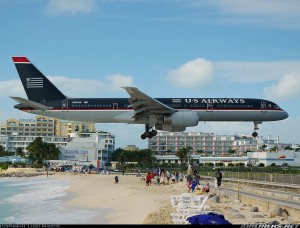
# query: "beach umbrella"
208 219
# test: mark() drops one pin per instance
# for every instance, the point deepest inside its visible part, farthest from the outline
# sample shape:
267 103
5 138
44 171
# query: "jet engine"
178 121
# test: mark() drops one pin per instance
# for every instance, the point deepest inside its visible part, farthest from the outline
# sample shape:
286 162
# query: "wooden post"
238 190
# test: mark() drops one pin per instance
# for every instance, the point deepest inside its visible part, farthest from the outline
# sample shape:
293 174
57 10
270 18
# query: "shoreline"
132 202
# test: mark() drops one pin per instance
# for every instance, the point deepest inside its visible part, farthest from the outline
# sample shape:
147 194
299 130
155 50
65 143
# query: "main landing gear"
255 134
148 134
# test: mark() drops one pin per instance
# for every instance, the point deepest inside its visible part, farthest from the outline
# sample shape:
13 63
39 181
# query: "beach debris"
279 212
254 209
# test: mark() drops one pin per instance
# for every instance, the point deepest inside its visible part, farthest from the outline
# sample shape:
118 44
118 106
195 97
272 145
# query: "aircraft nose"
285 115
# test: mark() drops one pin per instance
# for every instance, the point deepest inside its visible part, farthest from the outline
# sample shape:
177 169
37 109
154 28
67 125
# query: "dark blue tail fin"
37 87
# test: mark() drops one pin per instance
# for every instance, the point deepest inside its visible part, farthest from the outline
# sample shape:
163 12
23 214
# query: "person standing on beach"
219 178
162 177
116 179
47 169
148 179
173 177
168 176
177 176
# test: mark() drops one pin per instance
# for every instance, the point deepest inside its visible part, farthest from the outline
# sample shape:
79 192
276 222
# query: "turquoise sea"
36 200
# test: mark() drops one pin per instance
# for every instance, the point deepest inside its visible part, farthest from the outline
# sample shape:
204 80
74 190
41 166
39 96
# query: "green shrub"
4 166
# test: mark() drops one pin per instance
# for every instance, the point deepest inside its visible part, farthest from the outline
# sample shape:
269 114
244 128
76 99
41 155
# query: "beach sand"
132 202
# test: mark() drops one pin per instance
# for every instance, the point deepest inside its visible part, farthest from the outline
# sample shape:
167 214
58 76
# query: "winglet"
20 60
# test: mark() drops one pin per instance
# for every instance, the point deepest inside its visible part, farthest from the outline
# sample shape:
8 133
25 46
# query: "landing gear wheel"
149 134
153 132
254 134
143 136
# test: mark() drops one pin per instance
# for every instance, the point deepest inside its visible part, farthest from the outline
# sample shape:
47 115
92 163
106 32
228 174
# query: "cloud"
253 72
12 88
117 81
259 7
195 73
266 13
287 87
91 88
70 6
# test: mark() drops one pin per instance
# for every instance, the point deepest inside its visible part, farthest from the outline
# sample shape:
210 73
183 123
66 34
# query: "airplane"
166 114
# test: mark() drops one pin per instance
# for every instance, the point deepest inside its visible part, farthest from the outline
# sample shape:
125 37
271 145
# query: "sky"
166 48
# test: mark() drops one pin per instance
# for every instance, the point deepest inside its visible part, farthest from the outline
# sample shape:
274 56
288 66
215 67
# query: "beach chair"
186 200
200 208
175 200
198 199
183 198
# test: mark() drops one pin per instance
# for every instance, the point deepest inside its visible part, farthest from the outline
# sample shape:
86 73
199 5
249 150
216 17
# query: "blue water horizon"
39 200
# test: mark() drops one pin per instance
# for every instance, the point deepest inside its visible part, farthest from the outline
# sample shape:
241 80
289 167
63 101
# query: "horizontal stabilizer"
30 103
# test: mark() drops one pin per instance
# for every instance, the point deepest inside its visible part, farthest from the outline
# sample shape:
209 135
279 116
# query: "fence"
269 177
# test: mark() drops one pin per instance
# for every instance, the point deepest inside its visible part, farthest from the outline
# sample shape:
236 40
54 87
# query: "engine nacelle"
182 118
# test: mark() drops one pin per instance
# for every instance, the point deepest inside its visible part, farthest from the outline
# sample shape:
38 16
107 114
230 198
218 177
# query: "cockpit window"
276 107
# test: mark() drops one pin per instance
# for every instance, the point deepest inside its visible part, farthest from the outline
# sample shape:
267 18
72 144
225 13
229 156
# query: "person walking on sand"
116 179
219 178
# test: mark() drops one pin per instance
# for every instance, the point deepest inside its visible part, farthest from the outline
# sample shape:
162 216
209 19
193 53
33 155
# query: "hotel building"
76 140
207 144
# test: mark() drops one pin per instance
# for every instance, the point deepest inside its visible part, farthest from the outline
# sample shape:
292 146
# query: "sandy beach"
132 202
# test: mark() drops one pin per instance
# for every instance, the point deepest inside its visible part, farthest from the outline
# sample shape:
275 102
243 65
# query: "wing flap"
144 105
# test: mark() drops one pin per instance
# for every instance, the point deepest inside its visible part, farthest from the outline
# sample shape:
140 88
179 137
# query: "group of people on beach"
194 180
164 177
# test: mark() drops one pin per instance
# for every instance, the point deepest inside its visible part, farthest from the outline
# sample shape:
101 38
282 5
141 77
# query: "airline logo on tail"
32 83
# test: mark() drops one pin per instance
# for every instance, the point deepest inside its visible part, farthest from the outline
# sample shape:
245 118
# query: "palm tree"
182 154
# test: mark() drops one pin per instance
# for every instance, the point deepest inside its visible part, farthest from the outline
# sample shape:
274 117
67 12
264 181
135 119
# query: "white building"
210 144
172 159
12 142
290 157
89 146
79 147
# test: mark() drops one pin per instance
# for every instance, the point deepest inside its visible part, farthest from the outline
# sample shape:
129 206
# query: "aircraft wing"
143 105
30 103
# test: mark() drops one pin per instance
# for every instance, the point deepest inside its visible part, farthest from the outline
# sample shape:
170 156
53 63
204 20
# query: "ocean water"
40 201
